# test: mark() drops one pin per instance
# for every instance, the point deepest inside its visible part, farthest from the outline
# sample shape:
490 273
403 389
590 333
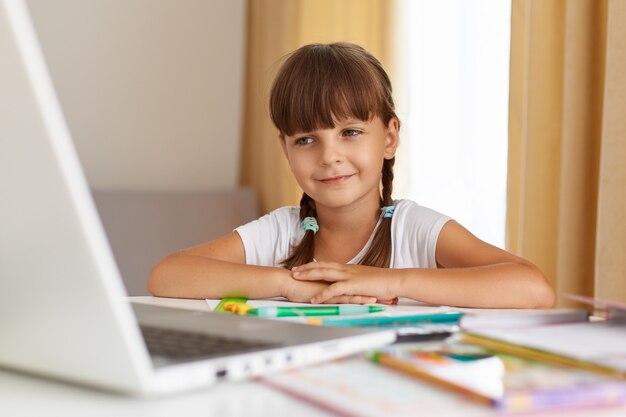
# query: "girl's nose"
331 154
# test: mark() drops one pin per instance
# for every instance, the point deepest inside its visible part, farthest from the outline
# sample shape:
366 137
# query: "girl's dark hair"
321 83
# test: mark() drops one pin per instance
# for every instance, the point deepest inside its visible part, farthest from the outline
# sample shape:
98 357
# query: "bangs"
321 84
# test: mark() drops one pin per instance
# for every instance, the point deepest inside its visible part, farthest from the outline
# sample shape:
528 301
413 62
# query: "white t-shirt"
414 231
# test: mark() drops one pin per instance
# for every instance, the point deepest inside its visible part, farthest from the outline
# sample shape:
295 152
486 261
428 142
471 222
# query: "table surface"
27 395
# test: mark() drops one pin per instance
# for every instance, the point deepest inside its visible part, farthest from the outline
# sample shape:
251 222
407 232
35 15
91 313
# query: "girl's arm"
472 273
217 269
214 270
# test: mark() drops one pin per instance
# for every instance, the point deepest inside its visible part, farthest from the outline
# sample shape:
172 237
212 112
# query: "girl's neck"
359 216
344 231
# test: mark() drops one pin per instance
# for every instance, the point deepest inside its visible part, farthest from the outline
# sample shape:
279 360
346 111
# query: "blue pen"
387 321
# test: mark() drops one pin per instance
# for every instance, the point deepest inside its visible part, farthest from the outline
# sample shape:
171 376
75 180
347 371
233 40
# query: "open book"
499 380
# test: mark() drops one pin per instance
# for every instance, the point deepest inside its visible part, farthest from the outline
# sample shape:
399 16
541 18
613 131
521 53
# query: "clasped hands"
332 282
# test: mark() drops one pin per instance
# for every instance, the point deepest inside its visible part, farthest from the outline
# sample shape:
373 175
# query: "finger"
333 290
361 299
341 299
320 274
315 265
351 299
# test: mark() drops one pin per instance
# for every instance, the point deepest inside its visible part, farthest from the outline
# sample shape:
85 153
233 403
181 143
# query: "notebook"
63 308
476 318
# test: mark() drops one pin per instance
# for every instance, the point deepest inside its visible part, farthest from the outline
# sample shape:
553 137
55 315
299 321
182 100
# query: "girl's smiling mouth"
338 179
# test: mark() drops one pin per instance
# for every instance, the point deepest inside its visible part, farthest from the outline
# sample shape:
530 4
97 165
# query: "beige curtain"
566 177
610 265
275 28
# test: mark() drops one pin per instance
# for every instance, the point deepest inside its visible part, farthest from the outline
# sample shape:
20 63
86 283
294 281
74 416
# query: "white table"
25 395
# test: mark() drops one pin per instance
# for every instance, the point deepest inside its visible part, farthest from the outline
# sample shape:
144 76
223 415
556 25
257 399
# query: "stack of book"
598 346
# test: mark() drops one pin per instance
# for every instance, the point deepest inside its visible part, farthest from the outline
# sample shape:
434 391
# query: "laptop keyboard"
181 344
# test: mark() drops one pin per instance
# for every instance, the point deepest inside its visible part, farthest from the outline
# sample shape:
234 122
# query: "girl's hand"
349 280
304 291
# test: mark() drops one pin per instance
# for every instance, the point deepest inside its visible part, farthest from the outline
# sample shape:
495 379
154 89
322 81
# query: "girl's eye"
305 140
351 132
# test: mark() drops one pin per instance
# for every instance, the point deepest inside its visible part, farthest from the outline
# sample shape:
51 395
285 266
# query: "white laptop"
63 308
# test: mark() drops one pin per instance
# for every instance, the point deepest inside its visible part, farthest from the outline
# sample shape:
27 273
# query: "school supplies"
340 310
476 318
220 306
237 308
423 334
598 346
448 317
501 381
412 323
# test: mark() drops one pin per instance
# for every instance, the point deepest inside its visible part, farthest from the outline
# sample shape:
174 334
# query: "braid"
303 252
387 180
307 207
379 253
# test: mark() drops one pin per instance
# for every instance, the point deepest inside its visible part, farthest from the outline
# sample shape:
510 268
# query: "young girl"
349 241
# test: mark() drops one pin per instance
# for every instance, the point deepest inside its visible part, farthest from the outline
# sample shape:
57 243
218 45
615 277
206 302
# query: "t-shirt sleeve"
416 229
267 240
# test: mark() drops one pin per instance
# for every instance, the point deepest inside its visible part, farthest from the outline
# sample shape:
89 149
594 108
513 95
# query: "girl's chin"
335 203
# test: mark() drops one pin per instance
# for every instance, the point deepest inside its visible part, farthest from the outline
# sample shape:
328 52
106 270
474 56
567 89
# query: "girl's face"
340 166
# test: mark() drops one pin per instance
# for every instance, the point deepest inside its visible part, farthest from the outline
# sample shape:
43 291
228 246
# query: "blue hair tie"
388 211
310 223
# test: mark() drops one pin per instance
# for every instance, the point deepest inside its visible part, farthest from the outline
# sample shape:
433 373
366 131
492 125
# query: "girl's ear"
391 138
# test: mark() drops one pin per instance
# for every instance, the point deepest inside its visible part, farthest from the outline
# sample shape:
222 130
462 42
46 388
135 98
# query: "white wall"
152 89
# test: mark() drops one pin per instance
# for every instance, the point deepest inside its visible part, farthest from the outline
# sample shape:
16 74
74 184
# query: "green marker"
220 307
313 311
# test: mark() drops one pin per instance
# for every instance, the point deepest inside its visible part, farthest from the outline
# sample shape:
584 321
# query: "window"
451 86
